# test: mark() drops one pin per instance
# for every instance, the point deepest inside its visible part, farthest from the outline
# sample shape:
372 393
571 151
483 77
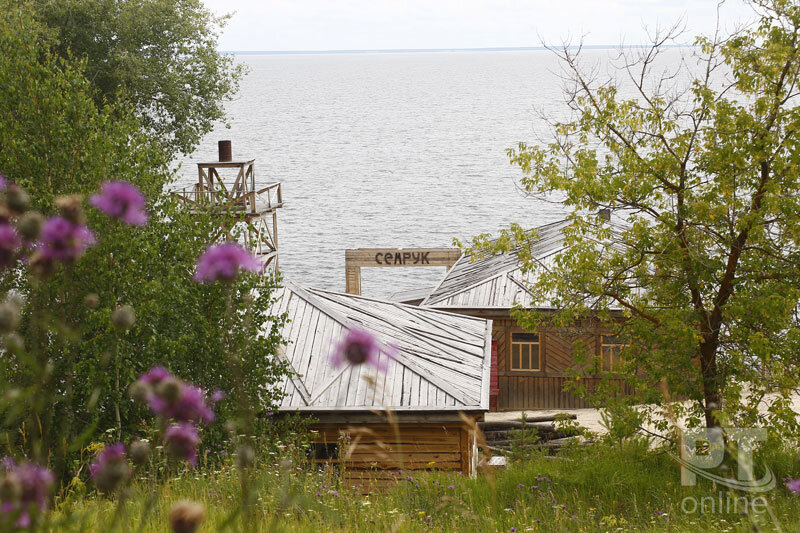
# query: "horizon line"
437 50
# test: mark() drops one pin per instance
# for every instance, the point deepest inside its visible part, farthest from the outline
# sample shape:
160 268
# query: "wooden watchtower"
228 188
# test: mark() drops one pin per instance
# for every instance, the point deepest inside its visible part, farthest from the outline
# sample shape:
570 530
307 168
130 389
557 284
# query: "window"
610 347
525 353
323 452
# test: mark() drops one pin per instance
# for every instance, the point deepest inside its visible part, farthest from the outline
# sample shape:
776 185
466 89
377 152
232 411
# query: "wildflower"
534 487
71 208
658 513
110 468
24 486
223 262
167 396
17 199
123 317
793 485
139 451
30 225
120 199
155 375
513 530
521 486
217 396
181 441
358 347
451 487
63 240
186 516
9 244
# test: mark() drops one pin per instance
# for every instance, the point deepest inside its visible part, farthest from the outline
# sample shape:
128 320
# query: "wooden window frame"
510 355
602 344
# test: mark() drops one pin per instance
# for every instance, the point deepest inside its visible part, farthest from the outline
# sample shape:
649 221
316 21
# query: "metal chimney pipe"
225 151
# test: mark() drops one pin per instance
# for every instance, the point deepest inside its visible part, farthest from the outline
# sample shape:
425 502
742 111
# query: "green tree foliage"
158 56
55 140
705 175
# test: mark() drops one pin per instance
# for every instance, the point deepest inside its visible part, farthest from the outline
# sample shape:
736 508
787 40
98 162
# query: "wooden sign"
354 259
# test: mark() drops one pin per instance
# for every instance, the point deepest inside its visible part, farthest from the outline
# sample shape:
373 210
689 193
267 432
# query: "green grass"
597 488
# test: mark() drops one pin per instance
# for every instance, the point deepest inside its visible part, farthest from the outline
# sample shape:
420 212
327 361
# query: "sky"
288 25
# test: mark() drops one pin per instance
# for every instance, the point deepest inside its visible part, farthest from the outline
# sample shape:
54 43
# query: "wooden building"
436 384
529 368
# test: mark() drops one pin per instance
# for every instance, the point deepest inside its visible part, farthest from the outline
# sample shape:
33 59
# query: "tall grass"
594 488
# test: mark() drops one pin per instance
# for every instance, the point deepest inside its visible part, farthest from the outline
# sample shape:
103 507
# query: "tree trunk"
711 385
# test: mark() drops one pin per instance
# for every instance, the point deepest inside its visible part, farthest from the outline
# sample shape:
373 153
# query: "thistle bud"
169 389
71 208
91 300
9 317
186 516
123 317
17 199
30 225
139 451
139 391
112 476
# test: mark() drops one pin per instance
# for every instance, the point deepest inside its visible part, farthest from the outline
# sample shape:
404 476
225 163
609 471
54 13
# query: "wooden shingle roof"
495 282
441 360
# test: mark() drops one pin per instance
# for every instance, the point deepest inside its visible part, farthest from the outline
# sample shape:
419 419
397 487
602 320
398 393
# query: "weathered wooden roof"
496 281
411 296
440 360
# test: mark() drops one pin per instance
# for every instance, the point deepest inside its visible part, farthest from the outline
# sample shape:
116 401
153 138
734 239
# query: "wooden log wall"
541 390
375 454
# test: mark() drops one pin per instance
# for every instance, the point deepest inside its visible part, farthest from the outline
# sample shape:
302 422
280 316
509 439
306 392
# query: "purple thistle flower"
217 396
120 199
223 262
181 441
794 485
358 347
513 530
521 486
189 406
534 487
110 467
451 487
9 244
157 374
62 240
109 454
27 485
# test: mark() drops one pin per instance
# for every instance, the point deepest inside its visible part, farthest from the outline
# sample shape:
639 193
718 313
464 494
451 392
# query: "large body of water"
388 150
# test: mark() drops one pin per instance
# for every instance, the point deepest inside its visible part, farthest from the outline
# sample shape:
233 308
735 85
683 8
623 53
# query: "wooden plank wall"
377 456
540 390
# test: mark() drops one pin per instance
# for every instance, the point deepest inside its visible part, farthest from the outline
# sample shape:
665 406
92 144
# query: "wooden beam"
401 257
352 275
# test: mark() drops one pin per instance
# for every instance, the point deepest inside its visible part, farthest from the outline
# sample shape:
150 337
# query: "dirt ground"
588 418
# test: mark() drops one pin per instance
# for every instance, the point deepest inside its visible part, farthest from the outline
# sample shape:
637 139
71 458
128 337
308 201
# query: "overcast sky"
387 24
